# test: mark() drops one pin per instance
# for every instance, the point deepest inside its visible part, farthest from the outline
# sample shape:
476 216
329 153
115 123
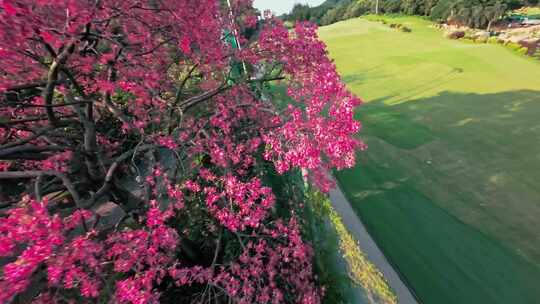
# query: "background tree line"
474 13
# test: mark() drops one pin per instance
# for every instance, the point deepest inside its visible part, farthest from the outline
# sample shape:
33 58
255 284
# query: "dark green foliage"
324 239
473 13
316 229
405 29
442 10
357 9
390 6
330 11
333 15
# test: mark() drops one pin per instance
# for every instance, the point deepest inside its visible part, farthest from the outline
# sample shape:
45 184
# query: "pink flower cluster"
58 162
258 274
319 134
34 236
238 205
81 262
145 73
272 266
77 265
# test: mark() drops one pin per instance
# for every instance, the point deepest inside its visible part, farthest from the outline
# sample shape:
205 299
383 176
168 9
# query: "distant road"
369 247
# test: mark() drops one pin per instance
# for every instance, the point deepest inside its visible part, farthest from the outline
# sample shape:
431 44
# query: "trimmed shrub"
494 40
516 47
522 51
406 29
481 40
455 34
536 54
513 46
469 35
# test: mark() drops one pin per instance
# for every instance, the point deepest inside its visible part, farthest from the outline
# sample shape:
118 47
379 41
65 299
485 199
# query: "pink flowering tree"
136 140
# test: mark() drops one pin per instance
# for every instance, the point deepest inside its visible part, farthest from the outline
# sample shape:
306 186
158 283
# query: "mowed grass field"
450 184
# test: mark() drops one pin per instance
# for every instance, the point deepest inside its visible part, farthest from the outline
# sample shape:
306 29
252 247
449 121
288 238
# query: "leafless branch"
89 140
32 174
110 172
18 151
52 77
27 139
30 119
57 105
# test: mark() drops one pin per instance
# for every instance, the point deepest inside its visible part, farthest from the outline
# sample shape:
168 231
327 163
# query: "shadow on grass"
507 118
398 196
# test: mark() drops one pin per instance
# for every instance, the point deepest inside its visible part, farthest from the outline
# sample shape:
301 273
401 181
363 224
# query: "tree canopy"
474 13
138 142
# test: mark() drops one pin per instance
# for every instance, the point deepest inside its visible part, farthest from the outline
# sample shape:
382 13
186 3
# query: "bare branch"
27 86
30 119
37 187
110 172
32 174
183 84
18 151
27 139
190 102
57 105
52 77
90 139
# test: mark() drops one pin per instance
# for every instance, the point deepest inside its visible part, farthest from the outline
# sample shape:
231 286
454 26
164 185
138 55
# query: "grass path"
369 248
449 186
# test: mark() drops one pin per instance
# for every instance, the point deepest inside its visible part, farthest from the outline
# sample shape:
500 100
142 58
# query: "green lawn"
450 186
532 12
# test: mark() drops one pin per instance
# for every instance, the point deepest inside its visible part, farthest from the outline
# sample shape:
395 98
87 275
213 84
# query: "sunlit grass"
449 185
361 270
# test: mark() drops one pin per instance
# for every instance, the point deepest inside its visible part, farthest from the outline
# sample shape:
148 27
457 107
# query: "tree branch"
190 102
31 174
26 86
52 77
110 172
89 138
30 119
17 151
27 139
57 105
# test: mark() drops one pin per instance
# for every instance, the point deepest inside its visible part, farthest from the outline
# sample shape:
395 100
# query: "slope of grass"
449 185
531 12
340 265
345 270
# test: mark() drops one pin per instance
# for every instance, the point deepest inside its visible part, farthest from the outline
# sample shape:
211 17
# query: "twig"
30 119
27 139
8 203
26 86
57 105
37 187
190 102
30 174
110 173
26 150
90 140
52 77
218 245
240 240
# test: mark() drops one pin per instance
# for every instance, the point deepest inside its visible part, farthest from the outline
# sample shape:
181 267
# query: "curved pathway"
369 247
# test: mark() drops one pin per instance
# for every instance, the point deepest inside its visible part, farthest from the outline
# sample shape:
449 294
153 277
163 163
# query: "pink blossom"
152 76
185 45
